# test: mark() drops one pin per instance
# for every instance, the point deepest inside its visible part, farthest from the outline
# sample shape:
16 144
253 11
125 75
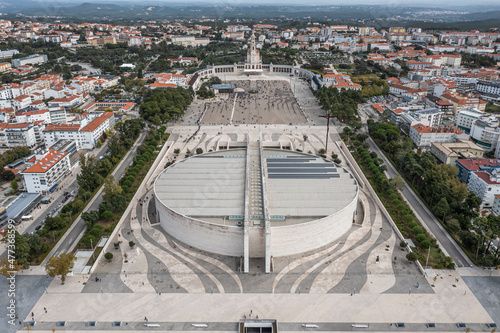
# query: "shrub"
417 230
412 225
412 256
107 215
403 244
108 256
131 244
199 151
425 244
420 238
453 224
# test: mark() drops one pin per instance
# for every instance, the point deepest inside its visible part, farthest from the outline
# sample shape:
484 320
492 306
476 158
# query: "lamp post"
328 116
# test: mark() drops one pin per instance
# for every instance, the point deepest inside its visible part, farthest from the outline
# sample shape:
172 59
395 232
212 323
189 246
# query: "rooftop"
212 187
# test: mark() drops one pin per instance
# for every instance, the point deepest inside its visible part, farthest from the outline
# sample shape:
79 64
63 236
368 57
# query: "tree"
21 247
8 175
107 215
14 185
90 218
397 182
442 208
115 147
104 167
89 178
412 256
8 267
458 190
108 256
111 188
60 265
55 223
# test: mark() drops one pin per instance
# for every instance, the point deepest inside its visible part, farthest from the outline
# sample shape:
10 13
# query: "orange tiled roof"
62 127
97 122
47 162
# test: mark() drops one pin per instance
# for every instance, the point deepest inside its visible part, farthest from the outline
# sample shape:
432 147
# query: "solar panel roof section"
306 187
300 170
287 160
300 165
302 176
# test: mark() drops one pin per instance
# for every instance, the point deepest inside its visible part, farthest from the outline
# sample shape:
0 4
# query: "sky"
450 4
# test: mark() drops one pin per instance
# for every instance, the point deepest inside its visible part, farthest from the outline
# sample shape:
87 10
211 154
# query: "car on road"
38 227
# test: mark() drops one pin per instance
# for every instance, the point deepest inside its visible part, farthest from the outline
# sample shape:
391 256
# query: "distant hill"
378 16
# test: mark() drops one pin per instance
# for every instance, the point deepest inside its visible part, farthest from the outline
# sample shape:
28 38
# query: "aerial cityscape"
252 167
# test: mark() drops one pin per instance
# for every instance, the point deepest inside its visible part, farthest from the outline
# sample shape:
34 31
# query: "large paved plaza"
260 102
362 278
342 284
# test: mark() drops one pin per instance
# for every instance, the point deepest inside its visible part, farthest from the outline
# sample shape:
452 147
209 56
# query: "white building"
85 133
451 60
30 60
429 117
485 184
47 173
19 134
21 102
32 116
489 87
56 132
485 133
57 114
465 118
496 205
90 134
423 136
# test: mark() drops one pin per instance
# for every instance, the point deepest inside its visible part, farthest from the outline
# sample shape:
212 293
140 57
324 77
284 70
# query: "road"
446 242
66 245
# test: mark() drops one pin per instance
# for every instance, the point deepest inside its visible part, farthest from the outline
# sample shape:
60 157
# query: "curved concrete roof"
213 187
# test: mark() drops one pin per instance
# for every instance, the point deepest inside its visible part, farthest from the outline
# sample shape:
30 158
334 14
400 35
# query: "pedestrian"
146 319
32 314
45 309
251 311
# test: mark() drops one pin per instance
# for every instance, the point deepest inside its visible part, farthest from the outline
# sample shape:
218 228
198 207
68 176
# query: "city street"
447 244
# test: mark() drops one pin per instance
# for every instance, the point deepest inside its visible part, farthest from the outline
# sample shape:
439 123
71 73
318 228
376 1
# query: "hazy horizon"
392 3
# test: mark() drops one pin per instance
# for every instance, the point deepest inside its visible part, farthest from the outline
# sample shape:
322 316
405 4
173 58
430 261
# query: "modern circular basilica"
256 202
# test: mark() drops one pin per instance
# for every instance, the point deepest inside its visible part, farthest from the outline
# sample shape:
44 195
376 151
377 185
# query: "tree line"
439 187
342 104
162 105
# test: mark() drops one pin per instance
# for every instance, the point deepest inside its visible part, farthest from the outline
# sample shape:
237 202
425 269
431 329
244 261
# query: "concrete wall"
303 237
228 240
210 237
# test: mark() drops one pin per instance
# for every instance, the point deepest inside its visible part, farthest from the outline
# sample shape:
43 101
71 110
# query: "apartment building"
485 184
423 136
45 174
